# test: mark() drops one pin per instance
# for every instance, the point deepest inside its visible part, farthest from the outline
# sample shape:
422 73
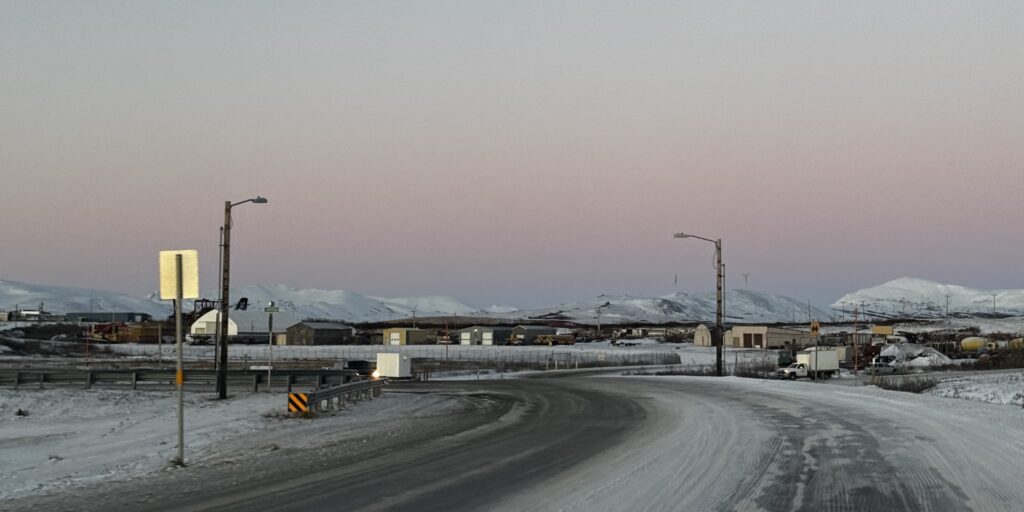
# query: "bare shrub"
691 371
763 368
907 384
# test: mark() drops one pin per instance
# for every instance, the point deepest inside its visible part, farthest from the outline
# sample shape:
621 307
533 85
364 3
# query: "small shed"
320 333
702 336
484 335
527 334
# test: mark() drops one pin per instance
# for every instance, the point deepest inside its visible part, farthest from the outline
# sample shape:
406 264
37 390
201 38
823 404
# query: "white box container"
395 366
819 360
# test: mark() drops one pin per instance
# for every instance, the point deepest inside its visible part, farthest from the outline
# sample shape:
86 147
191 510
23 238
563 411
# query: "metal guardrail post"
135 380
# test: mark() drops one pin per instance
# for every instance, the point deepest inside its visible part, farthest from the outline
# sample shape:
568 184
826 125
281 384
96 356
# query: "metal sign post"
179 376
179 271
814 332
270 310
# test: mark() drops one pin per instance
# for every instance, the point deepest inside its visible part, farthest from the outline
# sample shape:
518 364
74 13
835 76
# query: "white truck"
816 363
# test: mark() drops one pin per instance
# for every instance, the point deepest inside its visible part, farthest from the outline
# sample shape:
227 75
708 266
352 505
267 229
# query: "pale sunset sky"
520 153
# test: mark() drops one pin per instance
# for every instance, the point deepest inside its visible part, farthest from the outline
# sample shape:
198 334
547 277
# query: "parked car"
879 369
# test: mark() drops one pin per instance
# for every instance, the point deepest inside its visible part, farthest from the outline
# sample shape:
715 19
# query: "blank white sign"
189 274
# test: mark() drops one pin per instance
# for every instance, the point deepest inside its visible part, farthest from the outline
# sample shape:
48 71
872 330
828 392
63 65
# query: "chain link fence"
492 355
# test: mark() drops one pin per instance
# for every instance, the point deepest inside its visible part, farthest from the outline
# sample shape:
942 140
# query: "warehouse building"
407 336
761 336
250 324
484 335
320 333
108 316
527 334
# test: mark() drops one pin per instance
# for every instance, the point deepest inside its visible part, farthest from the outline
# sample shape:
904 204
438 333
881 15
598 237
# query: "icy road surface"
627 443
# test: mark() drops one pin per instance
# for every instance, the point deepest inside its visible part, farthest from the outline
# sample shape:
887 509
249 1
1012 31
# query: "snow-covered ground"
67 438
998 388
79 437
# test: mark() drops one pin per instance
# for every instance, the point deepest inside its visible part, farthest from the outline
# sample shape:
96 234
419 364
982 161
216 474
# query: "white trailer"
395 366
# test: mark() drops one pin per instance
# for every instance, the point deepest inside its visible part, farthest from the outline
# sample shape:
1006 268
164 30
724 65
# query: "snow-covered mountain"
921 297
348 306
741 306
61 299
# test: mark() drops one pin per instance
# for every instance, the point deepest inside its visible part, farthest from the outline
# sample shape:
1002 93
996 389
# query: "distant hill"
348 306
924 298
61 299
742 306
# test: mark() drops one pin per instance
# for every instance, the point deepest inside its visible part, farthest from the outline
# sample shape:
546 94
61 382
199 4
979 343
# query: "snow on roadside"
67 438
1002 388
913 355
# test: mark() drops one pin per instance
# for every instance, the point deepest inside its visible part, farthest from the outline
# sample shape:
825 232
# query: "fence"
160 379
495 355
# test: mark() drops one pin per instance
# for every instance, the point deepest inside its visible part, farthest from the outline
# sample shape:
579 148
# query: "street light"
222 368
719 285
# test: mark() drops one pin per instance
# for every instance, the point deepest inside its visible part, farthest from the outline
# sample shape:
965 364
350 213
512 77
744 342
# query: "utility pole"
719 295
225 298
720 307
947 305
222 368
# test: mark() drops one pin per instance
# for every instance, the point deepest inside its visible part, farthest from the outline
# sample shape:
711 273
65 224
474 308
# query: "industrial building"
33 315
761 336
242 324
527 334
484 335
108 316
407 336
320 333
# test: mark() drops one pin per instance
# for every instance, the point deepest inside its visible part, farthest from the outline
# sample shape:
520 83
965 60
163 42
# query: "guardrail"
158 378
334 397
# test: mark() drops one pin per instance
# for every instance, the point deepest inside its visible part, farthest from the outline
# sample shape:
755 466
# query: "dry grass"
905 384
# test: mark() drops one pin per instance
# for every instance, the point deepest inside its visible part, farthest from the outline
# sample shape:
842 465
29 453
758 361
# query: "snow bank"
909 354
67 438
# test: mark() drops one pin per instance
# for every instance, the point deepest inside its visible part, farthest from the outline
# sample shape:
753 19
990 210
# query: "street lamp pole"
222 368
719 296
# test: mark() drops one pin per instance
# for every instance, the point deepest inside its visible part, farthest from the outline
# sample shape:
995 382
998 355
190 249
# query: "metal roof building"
320 333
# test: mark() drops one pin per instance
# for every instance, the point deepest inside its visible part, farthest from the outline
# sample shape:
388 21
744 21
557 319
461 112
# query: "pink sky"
515 153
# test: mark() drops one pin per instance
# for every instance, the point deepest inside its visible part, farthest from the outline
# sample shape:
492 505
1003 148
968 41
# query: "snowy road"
632 443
